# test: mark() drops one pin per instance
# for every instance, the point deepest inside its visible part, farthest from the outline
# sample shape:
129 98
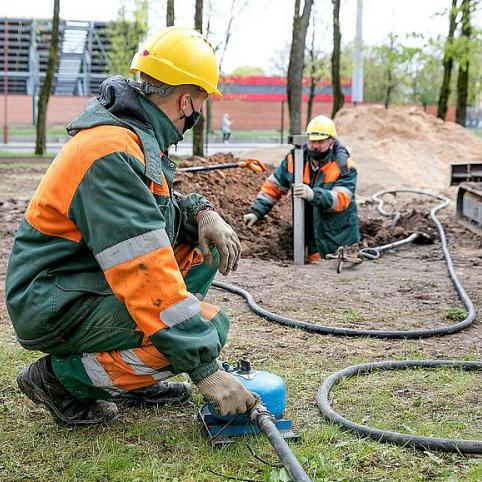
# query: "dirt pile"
417 146
233 190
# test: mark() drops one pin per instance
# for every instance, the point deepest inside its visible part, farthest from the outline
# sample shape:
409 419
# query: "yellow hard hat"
320 128
179 55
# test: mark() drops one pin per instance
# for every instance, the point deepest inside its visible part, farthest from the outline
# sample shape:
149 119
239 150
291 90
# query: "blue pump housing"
268 386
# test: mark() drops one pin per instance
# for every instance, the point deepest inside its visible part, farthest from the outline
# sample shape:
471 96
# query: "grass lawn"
166 444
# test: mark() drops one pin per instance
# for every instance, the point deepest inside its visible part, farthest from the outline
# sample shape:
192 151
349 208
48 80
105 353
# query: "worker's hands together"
226 393
303 191
249 219
212 229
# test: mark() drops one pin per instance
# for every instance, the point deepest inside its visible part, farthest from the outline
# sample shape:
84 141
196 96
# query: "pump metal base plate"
222 433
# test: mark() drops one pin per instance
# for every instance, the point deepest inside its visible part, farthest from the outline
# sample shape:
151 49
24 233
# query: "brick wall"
244 114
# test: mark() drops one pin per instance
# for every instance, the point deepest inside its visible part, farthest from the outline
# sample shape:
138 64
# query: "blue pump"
268 386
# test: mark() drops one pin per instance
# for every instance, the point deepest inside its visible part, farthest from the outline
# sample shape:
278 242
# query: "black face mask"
317 155
190 120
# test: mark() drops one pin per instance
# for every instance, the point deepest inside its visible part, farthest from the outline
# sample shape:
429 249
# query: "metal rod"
299 204
282 130
212 167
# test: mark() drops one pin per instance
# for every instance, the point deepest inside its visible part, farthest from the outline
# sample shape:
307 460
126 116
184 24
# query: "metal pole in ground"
299 142
282 122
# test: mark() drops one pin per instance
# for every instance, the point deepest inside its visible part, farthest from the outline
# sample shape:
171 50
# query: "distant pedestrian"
226 128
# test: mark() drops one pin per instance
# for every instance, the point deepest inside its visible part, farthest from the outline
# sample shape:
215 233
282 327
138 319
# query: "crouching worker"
105 276
329 182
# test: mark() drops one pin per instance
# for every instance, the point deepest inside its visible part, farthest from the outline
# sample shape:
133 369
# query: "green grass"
58 134
354 315
22 155
30 130
456 314
236 134
167 444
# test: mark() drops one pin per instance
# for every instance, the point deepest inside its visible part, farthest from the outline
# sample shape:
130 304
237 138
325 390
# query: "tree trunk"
463 77
391 64
311 98
44 94
209 116
313 76
198 129
170 13
447 64
295 68
388 92
338 99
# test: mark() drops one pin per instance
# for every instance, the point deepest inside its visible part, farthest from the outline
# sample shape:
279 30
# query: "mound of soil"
233 190
417 146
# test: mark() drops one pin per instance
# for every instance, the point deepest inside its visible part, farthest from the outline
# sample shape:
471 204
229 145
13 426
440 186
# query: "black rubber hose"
331 330
431 443
264 421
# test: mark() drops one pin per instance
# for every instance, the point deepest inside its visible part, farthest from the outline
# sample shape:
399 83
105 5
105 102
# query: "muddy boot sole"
38 396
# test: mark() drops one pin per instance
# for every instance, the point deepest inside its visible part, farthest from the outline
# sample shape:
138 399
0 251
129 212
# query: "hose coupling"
259 410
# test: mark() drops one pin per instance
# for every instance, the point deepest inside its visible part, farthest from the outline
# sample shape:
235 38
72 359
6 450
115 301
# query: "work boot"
159 394
40 384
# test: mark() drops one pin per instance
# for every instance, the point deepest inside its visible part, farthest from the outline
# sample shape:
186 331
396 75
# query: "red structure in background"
261 88
257 107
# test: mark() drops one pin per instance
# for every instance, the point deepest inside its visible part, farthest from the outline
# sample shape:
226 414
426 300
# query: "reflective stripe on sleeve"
275 181
98 376
265 197
334 203
344 190
140 368
132 248
180 311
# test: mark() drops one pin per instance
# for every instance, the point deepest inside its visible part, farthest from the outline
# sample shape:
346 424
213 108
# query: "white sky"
263 26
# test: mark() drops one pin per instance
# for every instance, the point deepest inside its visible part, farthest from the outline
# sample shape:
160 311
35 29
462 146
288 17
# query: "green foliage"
416 72
354 315
126 33
455 314
246 70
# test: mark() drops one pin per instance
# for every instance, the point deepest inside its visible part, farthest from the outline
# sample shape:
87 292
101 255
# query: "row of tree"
395 71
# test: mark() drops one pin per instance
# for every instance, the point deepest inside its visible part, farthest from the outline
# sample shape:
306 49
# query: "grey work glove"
226 393
303 191
212 229
249 219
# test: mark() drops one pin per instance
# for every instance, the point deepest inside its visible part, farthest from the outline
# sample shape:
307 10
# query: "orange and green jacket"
104 220
331 217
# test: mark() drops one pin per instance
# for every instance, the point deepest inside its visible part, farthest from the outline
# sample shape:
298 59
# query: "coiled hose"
430 443
373 253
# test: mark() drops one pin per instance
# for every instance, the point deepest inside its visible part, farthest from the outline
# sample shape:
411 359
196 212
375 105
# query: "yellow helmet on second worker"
176 56
320 128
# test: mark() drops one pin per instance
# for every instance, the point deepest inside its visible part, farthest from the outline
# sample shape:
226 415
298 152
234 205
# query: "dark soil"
232 192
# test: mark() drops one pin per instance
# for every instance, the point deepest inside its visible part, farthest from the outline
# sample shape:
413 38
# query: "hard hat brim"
318 137
209 88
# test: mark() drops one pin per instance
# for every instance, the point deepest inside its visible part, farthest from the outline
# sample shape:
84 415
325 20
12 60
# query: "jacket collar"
164 130
119 104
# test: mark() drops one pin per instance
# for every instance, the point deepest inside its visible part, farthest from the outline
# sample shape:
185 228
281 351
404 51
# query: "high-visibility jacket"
331 217
104 220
